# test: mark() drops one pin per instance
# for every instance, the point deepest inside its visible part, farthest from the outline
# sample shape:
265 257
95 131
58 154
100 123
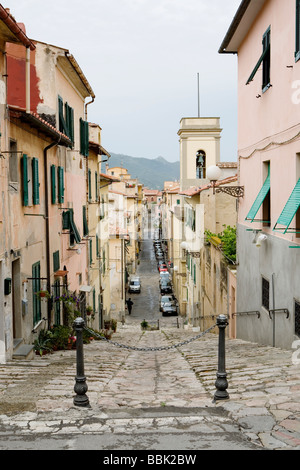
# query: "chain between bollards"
221 382
80 387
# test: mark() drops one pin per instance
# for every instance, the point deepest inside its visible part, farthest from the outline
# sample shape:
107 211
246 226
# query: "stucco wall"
276 257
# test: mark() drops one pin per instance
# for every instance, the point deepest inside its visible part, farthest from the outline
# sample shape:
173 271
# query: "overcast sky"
141 58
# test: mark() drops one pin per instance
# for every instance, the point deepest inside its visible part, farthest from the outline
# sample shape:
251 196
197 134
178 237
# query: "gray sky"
141 58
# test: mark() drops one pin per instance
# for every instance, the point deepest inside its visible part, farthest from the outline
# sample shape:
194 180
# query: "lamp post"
221 382
213 173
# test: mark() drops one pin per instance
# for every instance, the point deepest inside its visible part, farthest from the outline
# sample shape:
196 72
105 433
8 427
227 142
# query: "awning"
289 212
85 289
260 199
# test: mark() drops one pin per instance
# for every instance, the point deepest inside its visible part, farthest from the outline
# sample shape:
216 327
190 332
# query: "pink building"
265 35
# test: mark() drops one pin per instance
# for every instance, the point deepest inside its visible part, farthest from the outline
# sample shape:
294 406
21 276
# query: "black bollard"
221 382
80 387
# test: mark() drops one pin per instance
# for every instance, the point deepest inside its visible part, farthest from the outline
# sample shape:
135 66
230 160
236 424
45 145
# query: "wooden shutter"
25 179
36 287
85 223
53 184
35 182
61 185
56 262
90 185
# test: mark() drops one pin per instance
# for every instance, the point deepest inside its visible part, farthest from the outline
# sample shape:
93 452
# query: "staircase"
22 351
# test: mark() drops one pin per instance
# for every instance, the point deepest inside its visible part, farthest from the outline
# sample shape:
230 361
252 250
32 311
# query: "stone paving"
264 387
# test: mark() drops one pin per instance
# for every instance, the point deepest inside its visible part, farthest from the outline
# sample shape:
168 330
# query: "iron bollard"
221 382
80 387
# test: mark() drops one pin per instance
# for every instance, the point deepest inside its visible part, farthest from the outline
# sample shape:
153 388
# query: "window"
297 49
36 287
265 61
56 261
35 182
96 186
90 184
25 186
297 318
201 164
265 293
66 120
61 185
291 209
53 184
56 291
85 223
91 251
69 224
13 162
84 138
259 201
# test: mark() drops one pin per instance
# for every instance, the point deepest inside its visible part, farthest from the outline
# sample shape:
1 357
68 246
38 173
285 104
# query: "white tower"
199 148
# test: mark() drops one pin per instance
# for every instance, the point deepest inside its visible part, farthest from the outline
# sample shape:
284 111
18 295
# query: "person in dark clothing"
129 305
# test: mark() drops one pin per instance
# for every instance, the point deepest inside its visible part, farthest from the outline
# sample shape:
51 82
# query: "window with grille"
265 293
297 318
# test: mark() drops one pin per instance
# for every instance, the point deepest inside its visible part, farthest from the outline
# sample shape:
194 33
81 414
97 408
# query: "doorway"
16 299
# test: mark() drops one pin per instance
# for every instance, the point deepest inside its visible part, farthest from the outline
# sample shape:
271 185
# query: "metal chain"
159 348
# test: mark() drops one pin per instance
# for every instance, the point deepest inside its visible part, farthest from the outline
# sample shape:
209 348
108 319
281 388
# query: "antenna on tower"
198 83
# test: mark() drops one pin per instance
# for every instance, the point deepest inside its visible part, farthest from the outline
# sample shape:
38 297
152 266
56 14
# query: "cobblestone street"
141 400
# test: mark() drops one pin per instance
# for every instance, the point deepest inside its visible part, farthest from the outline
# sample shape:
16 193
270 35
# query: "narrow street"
160 400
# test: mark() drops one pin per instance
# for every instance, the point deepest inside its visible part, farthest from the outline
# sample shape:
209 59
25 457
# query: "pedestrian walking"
129 305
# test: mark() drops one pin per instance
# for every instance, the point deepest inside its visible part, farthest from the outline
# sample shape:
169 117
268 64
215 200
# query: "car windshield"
134 283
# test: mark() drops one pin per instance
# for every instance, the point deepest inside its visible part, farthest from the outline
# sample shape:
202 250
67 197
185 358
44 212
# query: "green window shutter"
90 185
25 180
35 182
53 184
74 234
290 211
103 261
56 262
260 199
36 287
194 273
61 184
91 251
84 137
69 112
265 54
97 246
85 223
96 186
62 123
66 220
94 300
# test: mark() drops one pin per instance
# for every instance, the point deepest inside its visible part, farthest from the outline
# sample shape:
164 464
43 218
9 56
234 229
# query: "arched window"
201 164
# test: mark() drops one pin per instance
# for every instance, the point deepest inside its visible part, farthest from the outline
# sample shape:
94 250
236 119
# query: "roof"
241 23
99 149
104 176
11 31
194 191
39 123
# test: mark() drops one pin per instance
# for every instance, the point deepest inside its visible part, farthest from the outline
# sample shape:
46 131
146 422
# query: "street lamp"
213 173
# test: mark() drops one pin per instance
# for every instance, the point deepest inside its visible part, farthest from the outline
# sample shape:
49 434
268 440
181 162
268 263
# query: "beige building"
201 280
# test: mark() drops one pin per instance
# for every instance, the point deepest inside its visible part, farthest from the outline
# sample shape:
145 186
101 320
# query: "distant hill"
151 172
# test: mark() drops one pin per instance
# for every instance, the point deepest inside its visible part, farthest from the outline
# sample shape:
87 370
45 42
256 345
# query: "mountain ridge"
150 172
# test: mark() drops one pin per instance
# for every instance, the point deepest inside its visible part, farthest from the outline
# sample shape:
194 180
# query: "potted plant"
89 310
43 294
42 345
114 325
144 325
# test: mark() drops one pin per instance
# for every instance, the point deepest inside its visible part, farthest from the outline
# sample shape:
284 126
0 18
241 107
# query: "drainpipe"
49 303
27 81
86 105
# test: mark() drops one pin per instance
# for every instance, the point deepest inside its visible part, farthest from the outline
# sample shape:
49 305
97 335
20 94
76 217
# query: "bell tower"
199 140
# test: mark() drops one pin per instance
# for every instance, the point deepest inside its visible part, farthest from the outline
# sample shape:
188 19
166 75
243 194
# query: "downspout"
49 303
27 80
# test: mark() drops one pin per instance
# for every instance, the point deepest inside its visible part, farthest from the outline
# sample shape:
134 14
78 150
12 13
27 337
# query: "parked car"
160 256
165 287
169 309
162 267
134 285
164 276
167 299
